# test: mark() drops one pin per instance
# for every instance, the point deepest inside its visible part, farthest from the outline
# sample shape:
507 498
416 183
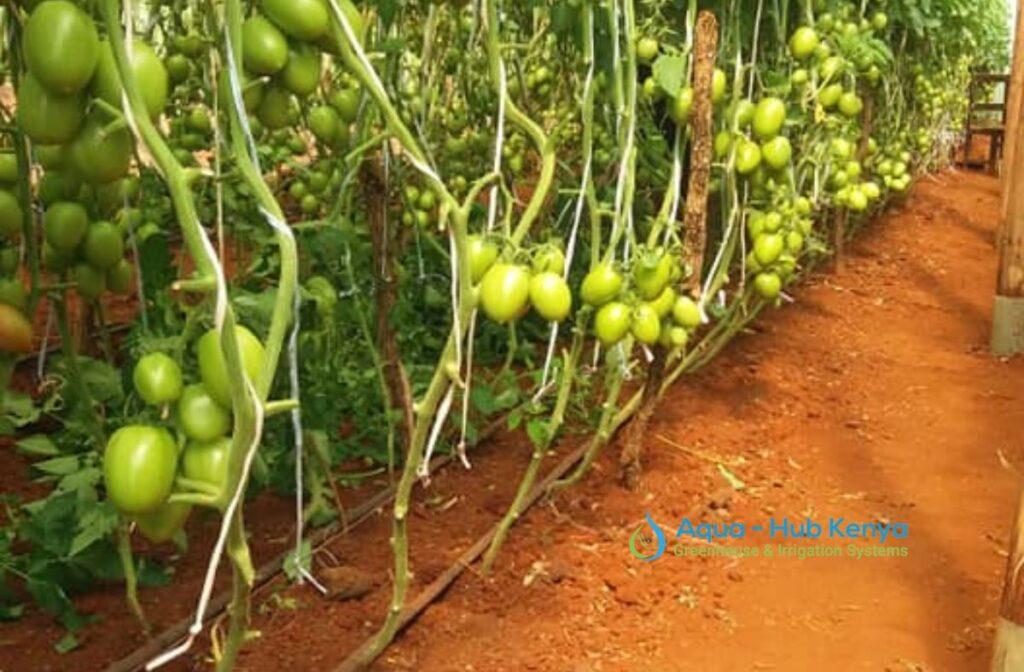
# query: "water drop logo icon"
637 540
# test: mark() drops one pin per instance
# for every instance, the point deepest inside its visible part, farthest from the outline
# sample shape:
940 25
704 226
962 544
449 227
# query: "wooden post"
1008 313
1009 647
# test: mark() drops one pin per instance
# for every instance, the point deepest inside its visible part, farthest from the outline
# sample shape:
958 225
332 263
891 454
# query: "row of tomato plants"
431 213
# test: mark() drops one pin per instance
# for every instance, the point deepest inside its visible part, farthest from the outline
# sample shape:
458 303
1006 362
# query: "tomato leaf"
66 643
37 445
97 523
669 71
58 466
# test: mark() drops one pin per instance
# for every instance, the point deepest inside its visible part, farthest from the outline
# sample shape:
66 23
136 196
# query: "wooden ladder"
996 132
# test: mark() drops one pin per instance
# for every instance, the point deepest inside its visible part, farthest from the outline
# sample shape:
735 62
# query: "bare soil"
873 398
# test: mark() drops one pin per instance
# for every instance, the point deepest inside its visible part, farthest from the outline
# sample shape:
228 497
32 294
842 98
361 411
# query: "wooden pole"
1008 313
1009 647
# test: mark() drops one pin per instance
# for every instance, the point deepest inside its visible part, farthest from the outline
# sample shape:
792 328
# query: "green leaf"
37 445
537 430
58 466
19 409
97 523
669 71
66 643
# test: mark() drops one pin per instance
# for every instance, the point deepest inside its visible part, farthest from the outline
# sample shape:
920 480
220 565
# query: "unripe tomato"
682 106
149 72
718 86
768 247
723 144
777 152
686 313
264 49
612 322
61 46
13 293
550 296
178 68
857 200
277 108
768 285
601 285
799 77
647 49
831 67
663 304
157 379
879 21
549 259
324 122
769 117
103 247
90 282
748 157
11 215
482 255
305 20
505 292
743 113
301 75
200 416
794 242
646 325
207 462
160 526
101 155
841 148
213 369
45 117
15 331
139 466
803 42
346 102
651 275
65 225
850 104
120 277
871 190
830 95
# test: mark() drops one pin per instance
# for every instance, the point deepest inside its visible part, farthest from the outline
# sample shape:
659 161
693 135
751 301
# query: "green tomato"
207 462
850 104
645 325
768 248
777 152
743 113
879 21
686 313
61 46
15 331
277 109
13 293
768 285
65 225
748 157
324 123
120 278
830 95
723 144
306 20
665 301
550 296
157 379
601 285
799 77
769 117
301 75
150 76
100 155
178 68
794 242
682 106
45 117
831 67
163 524
213 369
647 49
264 49
718 86
139 466
612 322
90 282
104 246
346 102
201 418
803 42
11 215
549 258
482 255
505 292
651 276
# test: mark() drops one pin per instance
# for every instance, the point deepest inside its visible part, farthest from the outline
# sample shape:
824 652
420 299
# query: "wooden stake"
1009 647
1016 99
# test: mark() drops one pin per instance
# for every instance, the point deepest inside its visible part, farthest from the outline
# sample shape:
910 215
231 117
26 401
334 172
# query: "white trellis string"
753 55
423 470
41 360
677 188
570 251
360 53
463 428
220 316
499 145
